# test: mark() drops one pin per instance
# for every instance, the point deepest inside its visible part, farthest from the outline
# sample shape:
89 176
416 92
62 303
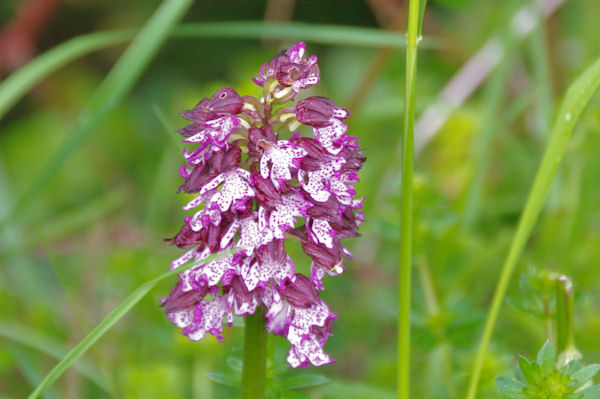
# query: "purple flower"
288 73
326 118
214 132
179 299
283 157
297 312
204 317
225 101
283 217
254 189
242 300
319 111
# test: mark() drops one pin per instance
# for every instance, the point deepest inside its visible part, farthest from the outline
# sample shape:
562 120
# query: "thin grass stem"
406 206
109 321
576 99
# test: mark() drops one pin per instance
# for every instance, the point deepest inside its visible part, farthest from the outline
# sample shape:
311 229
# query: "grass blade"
576 99
15 86
69 221
112 90
109 321
17 333
324 34
542 74
483 143
28 368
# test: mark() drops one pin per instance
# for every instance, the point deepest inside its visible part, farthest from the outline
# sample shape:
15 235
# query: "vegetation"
501 254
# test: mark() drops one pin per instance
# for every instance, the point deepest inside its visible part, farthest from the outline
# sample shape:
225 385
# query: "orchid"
286 188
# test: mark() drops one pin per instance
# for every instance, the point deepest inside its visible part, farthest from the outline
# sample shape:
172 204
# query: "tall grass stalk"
576 99
406 206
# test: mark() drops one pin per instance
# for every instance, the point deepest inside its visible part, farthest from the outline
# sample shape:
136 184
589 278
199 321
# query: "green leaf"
20 82
546 358
351 390
570 368
235 364
111 91
530 371
109 321
584 375
294 395
576 99
326 34
227 379
422 6
510 388
592 392
28 367
302 381
34 339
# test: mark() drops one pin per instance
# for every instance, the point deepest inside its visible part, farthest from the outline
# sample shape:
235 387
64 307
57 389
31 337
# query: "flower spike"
284 188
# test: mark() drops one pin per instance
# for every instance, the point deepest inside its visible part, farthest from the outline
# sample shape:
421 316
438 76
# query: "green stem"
255 357
406 211
548 319
575 100
565 333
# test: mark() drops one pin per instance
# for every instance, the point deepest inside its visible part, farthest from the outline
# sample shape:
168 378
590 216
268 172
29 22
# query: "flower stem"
406 210
255 356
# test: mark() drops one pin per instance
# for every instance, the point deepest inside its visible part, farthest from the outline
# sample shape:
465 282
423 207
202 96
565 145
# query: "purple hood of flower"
289 70
224 102
285 188
319 111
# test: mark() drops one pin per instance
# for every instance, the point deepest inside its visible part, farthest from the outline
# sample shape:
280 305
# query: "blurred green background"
95 231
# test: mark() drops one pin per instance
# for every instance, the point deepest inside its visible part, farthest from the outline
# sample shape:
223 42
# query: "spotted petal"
331 136
234 192
283 217
283 156
251 237
209 273
322 232
317 183
308 332
206 317
215 132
